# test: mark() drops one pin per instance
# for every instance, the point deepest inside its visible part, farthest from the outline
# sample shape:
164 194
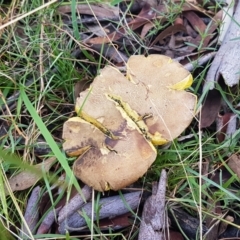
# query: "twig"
48 221
74 204
108 208
31 214
200 61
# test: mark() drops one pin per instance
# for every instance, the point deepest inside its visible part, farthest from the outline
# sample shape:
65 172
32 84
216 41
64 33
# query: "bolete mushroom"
121 118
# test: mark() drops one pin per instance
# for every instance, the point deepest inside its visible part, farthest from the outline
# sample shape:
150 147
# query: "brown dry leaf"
225 224
213 222
211 108
209 33
26 179
175 235
81 86
234 164
146 28
196 22
101 11
142 18
121 221
122 118
226 125
168 32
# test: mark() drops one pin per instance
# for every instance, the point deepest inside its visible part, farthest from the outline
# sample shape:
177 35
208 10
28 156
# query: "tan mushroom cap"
121 118
171 106
95 103
152 89
108 163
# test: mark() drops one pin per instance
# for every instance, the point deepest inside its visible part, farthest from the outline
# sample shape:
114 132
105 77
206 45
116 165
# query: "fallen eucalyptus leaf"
104 11
211 108
234 164
226 126
28 178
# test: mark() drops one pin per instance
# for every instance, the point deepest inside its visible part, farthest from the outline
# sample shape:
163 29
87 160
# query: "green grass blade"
48 137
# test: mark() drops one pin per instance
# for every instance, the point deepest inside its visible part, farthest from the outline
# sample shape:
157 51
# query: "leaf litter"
191 37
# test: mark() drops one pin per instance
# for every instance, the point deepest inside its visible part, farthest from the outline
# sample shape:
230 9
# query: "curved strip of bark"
154 222
226 64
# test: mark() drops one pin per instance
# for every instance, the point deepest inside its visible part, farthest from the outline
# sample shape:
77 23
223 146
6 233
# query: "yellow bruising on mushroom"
95 122
107 186
126 110
77 151
185 83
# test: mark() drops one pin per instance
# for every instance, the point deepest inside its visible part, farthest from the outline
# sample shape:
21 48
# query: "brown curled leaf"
28 178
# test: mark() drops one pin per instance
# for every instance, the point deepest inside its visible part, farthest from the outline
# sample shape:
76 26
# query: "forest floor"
51 51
